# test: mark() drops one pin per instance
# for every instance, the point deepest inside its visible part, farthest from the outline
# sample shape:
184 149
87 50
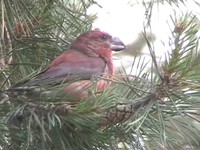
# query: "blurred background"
129 19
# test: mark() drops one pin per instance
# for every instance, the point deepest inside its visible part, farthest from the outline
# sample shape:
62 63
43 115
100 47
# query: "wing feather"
69 65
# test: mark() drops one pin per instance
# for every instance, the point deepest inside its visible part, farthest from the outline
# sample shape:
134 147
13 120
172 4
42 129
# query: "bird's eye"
104 37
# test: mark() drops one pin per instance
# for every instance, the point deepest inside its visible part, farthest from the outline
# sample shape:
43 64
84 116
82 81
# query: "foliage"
156 109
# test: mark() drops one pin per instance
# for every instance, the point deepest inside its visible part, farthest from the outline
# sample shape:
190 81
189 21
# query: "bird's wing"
68 65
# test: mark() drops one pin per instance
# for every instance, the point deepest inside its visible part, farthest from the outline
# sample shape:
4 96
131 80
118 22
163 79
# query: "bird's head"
97 42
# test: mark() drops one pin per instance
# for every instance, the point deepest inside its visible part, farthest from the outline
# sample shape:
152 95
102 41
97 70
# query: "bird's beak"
117 44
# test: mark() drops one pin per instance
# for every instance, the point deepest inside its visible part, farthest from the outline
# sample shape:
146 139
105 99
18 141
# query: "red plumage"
90 55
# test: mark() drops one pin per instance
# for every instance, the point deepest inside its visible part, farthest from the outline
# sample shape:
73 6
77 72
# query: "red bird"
89 56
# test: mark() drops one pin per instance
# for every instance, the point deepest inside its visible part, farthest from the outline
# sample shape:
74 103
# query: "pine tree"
156 109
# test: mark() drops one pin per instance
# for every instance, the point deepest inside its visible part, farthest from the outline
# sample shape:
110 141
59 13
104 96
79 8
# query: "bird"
89 56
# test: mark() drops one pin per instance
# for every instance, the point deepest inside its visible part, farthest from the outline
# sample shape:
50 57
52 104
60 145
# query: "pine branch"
156 109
